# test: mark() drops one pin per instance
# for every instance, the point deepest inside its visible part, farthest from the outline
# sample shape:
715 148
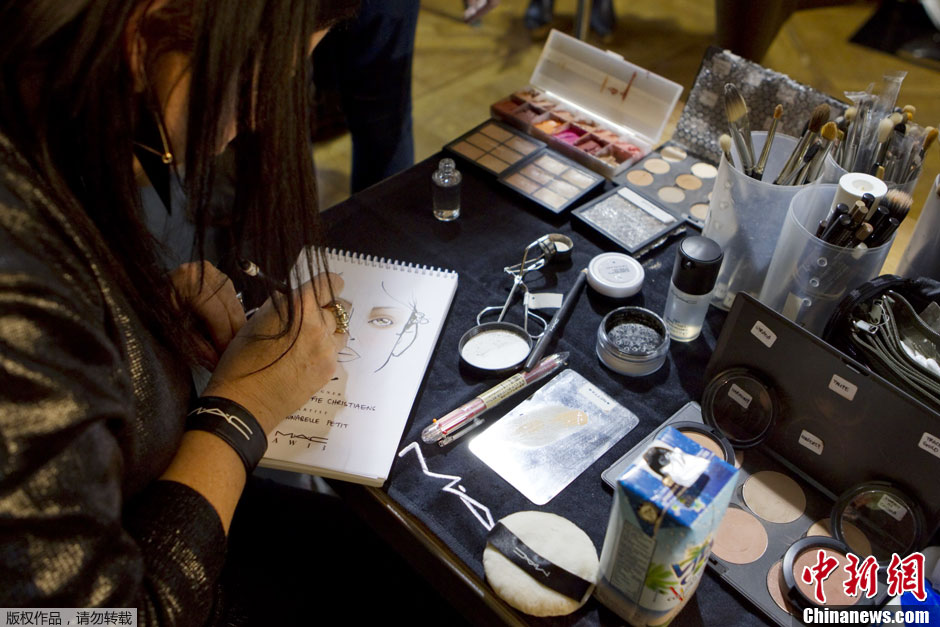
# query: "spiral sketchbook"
351 428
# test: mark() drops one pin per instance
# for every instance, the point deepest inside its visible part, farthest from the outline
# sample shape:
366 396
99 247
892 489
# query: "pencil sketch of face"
389 329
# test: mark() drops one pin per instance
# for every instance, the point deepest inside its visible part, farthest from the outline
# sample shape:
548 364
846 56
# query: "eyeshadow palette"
551 180
494 147
591 105
628 219
575 134
673 177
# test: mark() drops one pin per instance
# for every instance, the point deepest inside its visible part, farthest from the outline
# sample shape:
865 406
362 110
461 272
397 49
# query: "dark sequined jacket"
91 412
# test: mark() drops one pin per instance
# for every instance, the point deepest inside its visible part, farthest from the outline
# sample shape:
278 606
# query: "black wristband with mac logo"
233 424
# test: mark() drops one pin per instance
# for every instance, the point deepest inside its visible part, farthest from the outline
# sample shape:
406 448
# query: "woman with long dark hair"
117 484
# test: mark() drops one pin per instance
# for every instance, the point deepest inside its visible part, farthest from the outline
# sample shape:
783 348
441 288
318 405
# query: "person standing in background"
367 63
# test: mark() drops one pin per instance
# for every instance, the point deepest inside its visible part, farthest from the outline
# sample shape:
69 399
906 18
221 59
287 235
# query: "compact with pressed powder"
551 180
494 348
628 220
494 147
673 177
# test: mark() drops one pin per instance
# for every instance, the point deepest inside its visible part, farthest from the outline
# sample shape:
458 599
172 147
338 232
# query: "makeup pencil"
765 153
560 315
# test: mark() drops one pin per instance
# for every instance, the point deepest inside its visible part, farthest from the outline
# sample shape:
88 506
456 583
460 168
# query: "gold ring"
341 315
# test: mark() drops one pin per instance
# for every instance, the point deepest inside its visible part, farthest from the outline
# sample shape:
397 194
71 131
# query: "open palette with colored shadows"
551 180
591 105
494 147
672 177
822 468
628 220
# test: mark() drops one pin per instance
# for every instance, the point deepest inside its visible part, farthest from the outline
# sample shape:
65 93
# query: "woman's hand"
273 377
211 295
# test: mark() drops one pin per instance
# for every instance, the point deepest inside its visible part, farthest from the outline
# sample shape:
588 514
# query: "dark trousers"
368 62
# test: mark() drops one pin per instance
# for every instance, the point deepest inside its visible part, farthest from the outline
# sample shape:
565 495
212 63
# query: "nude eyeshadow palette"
494 147
551 180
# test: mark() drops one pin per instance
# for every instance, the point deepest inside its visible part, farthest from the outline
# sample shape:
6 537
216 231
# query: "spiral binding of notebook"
390 264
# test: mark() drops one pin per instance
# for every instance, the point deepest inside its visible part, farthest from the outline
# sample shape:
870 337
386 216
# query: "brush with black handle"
819 117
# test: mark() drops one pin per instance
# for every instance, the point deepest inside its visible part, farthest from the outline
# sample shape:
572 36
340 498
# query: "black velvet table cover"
394 220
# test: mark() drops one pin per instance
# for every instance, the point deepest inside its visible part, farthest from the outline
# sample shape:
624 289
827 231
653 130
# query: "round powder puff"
774 497
556 539
671 194
656 166
740 539
640 178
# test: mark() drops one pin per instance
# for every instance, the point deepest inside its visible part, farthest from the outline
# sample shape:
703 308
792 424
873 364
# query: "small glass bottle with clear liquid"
445 191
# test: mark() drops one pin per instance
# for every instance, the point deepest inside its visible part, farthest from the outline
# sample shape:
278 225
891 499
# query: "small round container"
799 593
707 437
741 406
891 520
494 348
615 275
632 341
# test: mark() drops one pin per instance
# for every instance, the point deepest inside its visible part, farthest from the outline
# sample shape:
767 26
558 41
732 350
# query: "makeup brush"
930 137
828 132
884 131
910 110
898 203
765 153
798 176
819 117
725 142
740 126
850 128
897 117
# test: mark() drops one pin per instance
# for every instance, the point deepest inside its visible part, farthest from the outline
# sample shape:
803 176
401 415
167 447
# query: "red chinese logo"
862 576
907 575
818 573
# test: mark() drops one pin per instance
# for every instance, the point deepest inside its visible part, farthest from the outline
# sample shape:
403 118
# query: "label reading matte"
739 396
764 334
811 442
842 387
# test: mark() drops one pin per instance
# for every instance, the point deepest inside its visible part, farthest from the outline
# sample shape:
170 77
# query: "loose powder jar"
632 341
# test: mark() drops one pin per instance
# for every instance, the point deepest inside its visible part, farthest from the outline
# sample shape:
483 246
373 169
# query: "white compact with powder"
615 275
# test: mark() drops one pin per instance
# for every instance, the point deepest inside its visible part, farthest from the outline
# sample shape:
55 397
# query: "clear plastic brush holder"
807 276
832 172
745 217
922 255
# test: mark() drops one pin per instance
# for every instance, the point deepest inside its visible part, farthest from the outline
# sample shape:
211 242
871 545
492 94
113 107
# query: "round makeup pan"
494 347
774 496
707 437
657 166
804 553
740 539
890 520
854 537
741 406
777 587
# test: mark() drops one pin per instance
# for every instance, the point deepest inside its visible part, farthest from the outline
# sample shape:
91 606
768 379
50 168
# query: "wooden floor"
459 70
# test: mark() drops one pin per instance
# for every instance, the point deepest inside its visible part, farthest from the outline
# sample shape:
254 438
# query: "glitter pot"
632 341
